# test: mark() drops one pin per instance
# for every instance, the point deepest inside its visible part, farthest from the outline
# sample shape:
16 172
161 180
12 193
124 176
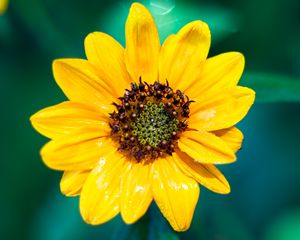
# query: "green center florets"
148 120
154 125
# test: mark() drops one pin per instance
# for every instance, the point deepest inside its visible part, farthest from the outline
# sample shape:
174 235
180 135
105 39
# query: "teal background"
265 181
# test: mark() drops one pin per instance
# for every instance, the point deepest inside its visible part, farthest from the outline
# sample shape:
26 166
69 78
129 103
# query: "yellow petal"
80 82
221 71
107 56
72 182
136 194
175 194
220 109
66 117
205 148
80 150
206 174
142 44
232 136
100 195
182 53
3 6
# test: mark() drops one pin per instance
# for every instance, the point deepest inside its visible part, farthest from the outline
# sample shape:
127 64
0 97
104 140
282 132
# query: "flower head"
145 122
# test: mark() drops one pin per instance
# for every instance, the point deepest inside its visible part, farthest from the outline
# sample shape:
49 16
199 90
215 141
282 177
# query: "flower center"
148 120
154 125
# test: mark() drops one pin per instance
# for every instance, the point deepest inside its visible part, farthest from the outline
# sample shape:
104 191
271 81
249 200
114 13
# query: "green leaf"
273 87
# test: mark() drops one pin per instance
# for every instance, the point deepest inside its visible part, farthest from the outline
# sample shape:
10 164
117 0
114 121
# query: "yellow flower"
3 6
145 122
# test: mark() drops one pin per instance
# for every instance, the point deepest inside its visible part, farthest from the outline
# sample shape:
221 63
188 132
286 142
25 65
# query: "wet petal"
107 56
64 118
80 82
232 136
205 148
136 194
222 71
182 53
80 150
220 109
100 196
206 174
142 44
72 181
175 194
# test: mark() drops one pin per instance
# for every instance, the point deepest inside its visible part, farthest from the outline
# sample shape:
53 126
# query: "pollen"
149 119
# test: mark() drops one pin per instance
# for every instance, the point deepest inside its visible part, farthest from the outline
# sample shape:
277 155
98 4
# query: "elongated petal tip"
140 14
238 55
206 148
72 181
195 31
175 193
236 58
206 174
99 198
36 124
87 218
248 94
181 54
33 119
56 63
136 194
138 7
237 62
142 44
226 190
44 156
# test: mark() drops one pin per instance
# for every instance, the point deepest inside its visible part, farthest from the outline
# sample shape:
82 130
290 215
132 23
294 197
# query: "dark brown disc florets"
148 120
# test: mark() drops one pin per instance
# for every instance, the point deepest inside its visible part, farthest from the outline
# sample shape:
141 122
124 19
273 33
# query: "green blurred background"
265 181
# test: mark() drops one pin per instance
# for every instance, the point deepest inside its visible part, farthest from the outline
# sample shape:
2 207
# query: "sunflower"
145 122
